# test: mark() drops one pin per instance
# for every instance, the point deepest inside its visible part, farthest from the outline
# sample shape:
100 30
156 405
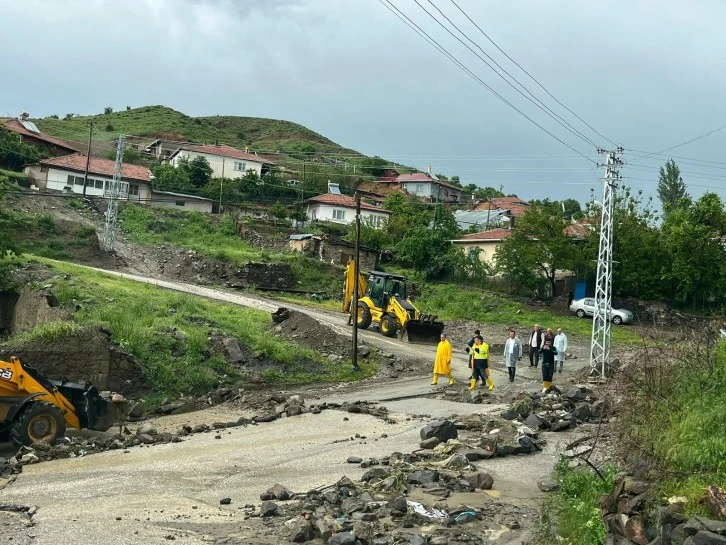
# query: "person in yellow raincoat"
442 365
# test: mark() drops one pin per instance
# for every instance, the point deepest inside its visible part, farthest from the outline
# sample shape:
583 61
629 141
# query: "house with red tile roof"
67 174
31 135
341 209
486 242
420 184
516 206
226 161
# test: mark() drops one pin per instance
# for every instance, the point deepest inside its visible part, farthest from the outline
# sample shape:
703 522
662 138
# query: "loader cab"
382 285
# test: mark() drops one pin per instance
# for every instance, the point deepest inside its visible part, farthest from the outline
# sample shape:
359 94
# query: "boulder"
442 429
343 538
279 492
480 480
522 407
268 509
423 476
705 538
429 443
533 421
581 412
147 429
301 530
232 350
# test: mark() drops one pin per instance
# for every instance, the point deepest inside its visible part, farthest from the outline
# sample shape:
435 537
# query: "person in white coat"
512 353
561 346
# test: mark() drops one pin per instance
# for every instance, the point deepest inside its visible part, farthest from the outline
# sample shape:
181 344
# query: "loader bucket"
93 411
416 331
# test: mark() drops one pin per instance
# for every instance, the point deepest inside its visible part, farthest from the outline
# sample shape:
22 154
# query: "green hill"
262 135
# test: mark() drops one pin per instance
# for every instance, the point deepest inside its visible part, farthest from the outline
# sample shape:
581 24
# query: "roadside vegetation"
169 334
673 416
571 516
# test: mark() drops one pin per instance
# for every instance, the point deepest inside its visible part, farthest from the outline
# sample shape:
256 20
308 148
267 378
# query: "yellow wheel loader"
383 299
35 408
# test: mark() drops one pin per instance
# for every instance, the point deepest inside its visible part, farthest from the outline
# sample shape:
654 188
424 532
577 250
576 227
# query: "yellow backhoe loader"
383 299
35 408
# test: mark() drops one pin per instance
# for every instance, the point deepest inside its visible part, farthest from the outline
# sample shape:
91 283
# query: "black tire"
389 325
38 421
364 316
617 320
580 313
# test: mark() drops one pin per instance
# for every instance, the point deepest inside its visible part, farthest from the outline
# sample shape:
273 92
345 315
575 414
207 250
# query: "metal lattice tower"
600 342
115 191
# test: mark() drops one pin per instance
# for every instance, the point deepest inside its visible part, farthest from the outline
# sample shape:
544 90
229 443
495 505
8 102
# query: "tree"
107 110
279 211
249 184
372 237
14 153
373 166
408 212
693 243
168 178
7 244
537 249
198 171
567 207
132 156
429 249
671 188
455 180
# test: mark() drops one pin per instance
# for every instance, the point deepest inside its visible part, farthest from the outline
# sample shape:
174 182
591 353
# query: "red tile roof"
492 234
578 230
344 200
15 126
515 205
101 167
225 151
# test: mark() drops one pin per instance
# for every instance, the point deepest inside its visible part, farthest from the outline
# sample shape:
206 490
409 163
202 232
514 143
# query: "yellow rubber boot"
435 380
490 383
451 379
472 386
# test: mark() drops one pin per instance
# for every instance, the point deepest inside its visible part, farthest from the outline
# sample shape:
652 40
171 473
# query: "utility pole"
117 190
600 341
88 157
221 184
356 272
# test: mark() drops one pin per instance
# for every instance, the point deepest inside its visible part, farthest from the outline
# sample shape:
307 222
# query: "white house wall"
222 167
327 212
57 180
180 203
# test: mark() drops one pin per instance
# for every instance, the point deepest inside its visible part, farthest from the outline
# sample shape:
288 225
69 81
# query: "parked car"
586 307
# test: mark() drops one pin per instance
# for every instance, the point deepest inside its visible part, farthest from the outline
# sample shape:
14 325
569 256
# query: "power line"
530 75
442 50
534 100
709 133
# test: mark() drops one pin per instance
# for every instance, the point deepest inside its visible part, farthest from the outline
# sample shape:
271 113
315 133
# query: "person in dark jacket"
536 340
548 360
471 342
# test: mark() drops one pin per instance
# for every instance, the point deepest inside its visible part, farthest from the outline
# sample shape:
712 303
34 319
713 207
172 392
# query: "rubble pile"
490 436
377 511
9 468
306 331
555 410
629 520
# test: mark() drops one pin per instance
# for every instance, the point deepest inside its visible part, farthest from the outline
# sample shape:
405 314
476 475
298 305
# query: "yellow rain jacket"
442 365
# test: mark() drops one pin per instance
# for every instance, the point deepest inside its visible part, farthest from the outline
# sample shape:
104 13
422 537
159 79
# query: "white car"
586 307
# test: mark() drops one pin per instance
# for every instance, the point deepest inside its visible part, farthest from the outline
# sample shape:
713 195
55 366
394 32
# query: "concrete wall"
85 356
160 200
221 166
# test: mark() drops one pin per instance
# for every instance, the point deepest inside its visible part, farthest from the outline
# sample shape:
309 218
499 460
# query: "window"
180 203
107 185
133 189
240 167
418 188
98 184
79 180
338 214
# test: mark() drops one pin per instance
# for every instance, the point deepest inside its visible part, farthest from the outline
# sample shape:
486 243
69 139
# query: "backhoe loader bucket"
422 332
94 412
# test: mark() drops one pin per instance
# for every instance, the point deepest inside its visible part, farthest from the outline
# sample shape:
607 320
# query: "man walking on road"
477 333
548 362
536 340
480 367
512 353
442 365
561 346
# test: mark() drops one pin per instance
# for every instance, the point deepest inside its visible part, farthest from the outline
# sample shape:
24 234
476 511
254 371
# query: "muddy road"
168 492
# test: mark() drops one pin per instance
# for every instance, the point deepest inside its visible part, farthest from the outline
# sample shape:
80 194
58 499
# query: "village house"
67 174
423 185
338 208
486 242
516 206
31 135
192 203
226 161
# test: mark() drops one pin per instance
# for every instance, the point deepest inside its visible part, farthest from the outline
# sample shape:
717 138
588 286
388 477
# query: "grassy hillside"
261 135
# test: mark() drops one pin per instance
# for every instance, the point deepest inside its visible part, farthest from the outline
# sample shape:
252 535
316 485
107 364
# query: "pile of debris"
490 436
556 410
377 510
306 331
9 468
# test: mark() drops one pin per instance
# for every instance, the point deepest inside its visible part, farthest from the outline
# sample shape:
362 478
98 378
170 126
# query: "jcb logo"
7 374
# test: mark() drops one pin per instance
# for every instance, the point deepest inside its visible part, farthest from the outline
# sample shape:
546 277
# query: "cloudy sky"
646 74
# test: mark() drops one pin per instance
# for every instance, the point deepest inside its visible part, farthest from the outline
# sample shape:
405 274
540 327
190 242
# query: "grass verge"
171 334
571 516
